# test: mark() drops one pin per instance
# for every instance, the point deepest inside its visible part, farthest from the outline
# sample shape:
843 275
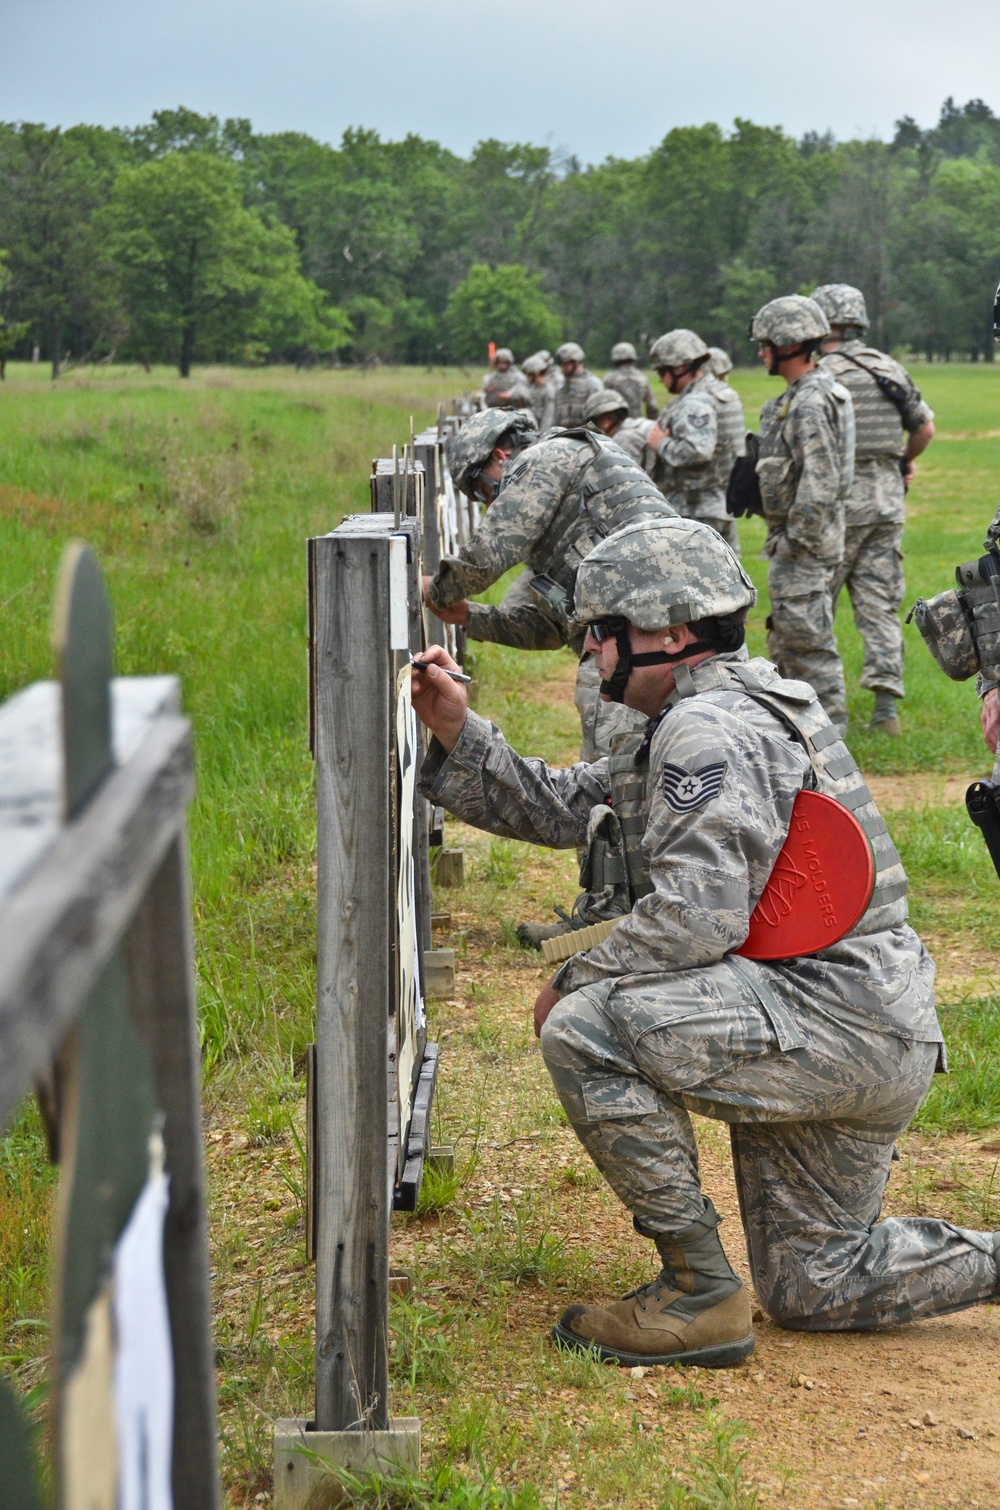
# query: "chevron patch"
686 790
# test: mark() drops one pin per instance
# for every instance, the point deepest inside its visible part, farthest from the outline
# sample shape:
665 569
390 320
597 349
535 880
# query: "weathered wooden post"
370 1054
95 966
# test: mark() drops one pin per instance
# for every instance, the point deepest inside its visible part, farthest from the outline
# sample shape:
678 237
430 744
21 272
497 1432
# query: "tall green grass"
198 498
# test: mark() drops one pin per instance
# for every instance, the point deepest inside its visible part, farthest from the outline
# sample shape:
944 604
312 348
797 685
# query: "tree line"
189 239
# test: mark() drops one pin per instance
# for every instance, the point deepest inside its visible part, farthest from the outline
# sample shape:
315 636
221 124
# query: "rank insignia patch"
686 790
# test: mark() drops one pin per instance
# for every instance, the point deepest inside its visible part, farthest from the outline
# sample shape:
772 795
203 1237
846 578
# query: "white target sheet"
410 1016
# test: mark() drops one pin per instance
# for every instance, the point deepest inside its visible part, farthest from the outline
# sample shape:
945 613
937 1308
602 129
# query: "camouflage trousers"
800 638
600 721
872 572
812 1130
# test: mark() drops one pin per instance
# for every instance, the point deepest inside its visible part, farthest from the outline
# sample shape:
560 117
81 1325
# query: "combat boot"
696 1312
885 719
534 935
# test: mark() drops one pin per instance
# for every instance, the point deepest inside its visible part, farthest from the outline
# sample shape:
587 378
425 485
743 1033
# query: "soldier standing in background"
578 385
628 379
805 468
720 363
500 382
699 434
887 402
541 395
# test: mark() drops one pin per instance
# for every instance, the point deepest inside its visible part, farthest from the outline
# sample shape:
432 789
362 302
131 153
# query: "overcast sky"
594 77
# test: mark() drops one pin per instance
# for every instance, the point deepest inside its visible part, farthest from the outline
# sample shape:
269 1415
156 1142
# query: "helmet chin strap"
614 687
776 359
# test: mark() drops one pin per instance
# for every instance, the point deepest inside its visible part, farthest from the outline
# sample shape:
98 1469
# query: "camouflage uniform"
632 437
817 1064
806 466
631 382
875 509
495 383
707 433
570 400
540 397
555 500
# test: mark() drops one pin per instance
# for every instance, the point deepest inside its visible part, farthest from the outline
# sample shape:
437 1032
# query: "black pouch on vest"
743 489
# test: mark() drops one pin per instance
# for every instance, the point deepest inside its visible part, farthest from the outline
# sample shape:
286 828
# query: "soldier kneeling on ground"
817 1063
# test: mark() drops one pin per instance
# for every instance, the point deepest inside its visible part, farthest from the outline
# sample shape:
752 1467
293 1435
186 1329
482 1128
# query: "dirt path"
896 1419
887 1421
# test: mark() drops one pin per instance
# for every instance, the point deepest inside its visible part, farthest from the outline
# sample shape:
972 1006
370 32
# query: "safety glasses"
605 629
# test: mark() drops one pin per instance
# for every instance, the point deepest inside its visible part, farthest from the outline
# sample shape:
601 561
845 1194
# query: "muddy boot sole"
722 1355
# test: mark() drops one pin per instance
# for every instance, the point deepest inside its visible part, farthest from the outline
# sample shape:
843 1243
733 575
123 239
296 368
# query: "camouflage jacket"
724 775
633 385
495 383
806 468
540 398
877 493
707 433
521 619
631 437
555 501
571 398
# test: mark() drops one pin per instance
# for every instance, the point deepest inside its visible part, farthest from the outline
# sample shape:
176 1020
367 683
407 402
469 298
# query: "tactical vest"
572 396
776 466
835 774
730 440
631 384
878 424
607 492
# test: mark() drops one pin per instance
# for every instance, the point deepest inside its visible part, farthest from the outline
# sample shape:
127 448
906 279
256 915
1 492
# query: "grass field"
198 498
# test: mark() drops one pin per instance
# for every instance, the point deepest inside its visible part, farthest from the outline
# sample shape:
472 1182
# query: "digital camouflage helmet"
504 354
623 351
789 321
536 365
842 304
607 401
719 361
569 351
678 348
469 449
654 574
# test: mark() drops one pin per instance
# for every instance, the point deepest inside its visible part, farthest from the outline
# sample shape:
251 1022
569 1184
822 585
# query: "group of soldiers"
835 455
695 758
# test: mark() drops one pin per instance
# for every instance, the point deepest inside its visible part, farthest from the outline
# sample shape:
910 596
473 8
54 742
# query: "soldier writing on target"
817 1062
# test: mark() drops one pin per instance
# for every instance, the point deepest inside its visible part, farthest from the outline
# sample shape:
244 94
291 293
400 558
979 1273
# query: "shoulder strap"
894 392
783 718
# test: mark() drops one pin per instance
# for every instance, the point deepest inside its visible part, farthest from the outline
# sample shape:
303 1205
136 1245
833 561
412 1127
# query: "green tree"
12 332
505 304
50 187
204 276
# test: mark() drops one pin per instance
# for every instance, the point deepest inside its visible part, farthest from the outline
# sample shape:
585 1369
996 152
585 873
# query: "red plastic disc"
820 886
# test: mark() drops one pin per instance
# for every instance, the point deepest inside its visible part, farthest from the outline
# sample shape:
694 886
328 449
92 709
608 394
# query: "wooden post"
160 961
353 733
404 486
95 944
